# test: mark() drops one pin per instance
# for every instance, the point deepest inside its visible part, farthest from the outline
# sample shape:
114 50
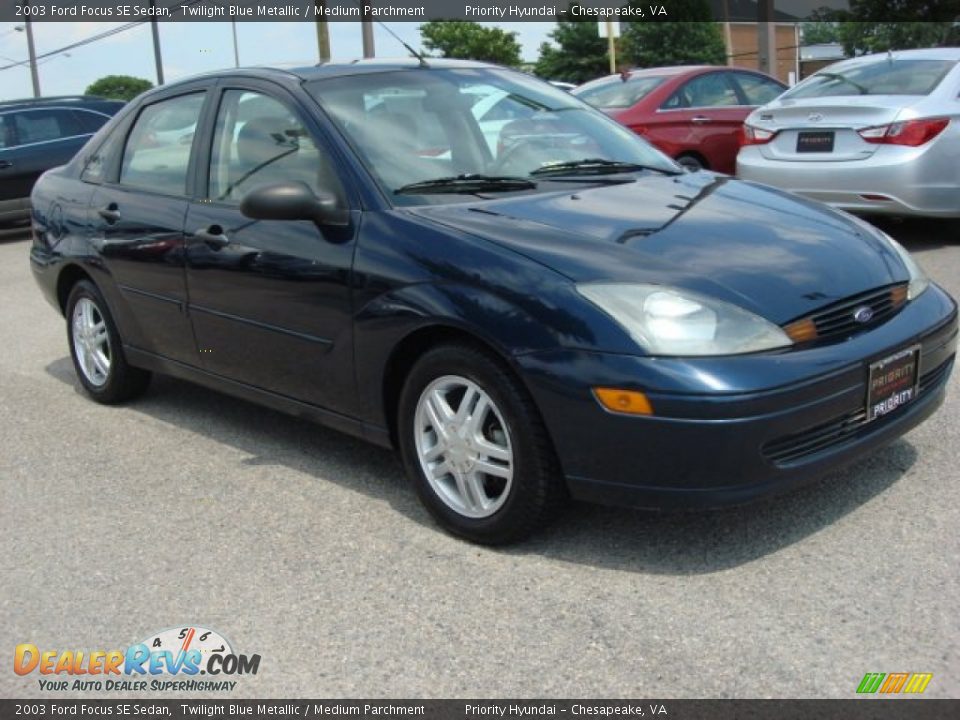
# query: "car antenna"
418 56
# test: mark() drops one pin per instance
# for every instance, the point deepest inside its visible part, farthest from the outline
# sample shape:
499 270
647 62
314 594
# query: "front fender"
510 325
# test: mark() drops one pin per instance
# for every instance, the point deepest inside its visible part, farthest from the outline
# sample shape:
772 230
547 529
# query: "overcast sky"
193 47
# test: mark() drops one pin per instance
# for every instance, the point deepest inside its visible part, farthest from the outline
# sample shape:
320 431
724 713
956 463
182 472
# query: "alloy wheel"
464 446
91 342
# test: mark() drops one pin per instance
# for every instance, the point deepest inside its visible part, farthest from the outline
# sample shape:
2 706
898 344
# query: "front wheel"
96 350
475 447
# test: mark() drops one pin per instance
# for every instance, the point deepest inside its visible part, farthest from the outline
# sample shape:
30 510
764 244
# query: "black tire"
691 163
537 489
122 382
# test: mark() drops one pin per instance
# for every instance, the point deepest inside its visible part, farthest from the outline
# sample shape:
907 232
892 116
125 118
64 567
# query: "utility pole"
366 28
323 33
32 50
611 47
766 38
155 30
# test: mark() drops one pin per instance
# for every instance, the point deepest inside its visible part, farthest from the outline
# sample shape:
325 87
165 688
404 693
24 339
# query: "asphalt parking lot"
308 548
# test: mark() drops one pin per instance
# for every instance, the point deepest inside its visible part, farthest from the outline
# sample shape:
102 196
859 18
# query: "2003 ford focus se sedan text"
556 311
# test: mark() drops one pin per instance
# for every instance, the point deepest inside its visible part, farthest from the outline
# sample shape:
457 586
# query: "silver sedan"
875 134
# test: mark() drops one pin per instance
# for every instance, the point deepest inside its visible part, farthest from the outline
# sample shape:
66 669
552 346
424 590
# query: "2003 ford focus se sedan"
559 311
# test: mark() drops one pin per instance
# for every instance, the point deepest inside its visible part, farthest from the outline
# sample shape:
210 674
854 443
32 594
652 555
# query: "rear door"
36 140
136 216
704 117
270 300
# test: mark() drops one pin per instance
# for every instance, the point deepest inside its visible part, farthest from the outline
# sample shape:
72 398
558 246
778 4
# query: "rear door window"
6 132
711 90
44 125
157 154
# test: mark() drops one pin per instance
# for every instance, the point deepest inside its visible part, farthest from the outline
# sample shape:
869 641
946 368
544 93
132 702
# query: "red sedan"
693 114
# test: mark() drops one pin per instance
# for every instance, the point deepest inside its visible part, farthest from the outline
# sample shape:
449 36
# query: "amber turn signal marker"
801 331
632 402
898 295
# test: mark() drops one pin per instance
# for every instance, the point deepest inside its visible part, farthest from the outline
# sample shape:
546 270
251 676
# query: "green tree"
471 41
815 33
871 37
577 53
119 87
659 44
870 26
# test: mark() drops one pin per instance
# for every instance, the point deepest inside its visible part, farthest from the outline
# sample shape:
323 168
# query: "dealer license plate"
893 382
815 142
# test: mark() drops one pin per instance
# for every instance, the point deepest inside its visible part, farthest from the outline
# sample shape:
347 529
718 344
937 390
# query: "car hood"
770 252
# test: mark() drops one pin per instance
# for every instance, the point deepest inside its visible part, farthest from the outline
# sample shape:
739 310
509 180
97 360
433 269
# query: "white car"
875 134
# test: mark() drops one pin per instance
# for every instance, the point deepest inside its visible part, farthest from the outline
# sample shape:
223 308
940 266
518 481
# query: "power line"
99 36
79 43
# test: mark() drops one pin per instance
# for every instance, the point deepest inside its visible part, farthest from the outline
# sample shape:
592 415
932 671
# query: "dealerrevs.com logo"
172 660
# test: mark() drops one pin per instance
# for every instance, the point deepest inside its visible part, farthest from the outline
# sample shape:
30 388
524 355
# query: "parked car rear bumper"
901 181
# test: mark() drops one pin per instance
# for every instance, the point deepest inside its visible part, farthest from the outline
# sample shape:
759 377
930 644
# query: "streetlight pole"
236 49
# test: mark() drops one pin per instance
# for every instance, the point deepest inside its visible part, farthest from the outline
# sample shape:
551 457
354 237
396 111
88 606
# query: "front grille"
792 448
840 321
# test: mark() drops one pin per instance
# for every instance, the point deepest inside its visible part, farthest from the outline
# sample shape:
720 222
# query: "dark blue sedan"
525 299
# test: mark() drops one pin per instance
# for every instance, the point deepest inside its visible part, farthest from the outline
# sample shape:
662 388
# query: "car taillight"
750 135
908 132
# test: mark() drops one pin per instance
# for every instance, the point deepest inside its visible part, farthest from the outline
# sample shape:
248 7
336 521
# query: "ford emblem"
863 314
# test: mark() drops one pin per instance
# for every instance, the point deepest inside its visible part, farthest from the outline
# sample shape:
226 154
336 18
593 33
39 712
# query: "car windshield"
876 76
427 135
617 93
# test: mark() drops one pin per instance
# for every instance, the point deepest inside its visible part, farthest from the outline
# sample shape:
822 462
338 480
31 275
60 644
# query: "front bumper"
911 182
727 430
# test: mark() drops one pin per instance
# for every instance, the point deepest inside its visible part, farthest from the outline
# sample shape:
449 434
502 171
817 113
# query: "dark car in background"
693 114
36 135
560 310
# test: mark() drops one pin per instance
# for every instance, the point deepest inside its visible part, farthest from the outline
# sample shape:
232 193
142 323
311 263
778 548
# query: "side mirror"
293 201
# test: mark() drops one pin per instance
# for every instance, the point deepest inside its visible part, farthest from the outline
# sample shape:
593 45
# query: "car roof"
947 54
941 53
342 68
302 72
667 71
56 100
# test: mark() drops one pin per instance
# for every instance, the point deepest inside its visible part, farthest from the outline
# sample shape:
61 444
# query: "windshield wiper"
467 183
597 166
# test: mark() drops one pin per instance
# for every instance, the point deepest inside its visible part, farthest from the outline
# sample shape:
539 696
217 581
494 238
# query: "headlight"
918 279
669 321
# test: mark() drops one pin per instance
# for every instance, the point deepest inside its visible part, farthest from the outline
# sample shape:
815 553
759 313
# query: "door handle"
700 119
110 213
4 164
213 236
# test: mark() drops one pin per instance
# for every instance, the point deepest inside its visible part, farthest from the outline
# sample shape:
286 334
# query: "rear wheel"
475 448
691 163
96 349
